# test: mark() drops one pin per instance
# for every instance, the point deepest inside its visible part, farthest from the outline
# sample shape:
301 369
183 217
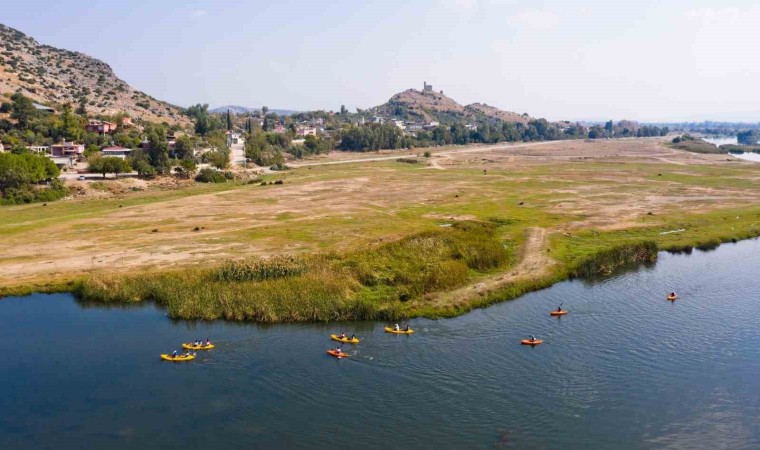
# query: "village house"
399 124
43 108
280 129
67 149
63 162
40 148
306 131
101 127
116 151
233 138
126 122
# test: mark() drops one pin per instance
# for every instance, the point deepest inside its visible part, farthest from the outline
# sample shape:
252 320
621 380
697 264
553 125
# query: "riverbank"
580 198
677 374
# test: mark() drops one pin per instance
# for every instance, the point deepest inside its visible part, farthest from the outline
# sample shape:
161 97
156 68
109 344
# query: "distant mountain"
428 105
56 76
235 109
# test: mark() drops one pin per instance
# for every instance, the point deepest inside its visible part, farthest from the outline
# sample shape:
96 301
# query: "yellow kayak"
391 330
335 337
198 347
166 357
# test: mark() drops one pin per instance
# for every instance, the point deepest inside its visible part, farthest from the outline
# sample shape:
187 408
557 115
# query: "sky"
680 60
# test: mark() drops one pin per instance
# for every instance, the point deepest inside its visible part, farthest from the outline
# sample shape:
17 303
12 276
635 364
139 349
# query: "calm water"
725 140
624 370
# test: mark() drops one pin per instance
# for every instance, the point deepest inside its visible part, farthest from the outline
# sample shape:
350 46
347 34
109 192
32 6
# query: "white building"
116 152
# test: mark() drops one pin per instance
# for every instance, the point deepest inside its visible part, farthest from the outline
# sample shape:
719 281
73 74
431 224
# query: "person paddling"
532 338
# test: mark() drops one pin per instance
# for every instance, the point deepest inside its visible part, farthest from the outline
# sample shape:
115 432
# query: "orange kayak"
338 355
671 297
558 313
529 342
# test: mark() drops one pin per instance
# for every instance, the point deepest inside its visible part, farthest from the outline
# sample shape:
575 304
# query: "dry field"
348 200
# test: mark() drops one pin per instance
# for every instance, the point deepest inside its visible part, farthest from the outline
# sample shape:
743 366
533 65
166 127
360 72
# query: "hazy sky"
564 59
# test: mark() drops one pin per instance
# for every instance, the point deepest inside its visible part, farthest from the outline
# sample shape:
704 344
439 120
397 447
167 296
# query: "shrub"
208 175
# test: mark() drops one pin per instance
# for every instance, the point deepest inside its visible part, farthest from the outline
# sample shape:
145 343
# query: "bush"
211 176
426 154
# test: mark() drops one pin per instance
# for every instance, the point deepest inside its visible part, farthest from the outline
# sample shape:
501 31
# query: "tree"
72 125
343 110
609 127
82 107
219 158
264 110
263 153
187 167
22 110
108 164
143 169
229 120
158 153
183 148
596 132
200 114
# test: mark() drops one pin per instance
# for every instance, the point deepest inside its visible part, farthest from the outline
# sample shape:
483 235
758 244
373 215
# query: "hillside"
55 76
413 104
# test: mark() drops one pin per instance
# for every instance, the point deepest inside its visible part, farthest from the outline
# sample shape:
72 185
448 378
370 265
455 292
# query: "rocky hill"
427 105
55 76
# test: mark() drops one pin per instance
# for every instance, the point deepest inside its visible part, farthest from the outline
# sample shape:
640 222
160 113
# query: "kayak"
198 347
338 355
166 357
335 337
529 342
558 313
671 297
391 330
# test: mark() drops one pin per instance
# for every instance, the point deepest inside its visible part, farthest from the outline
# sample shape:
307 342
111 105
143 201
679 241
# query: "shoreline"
478 300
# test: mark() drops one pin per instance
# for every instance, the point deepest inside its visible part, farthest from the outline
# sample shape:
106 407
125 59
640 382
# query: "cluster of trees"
266 149
387 136
20 174
748 137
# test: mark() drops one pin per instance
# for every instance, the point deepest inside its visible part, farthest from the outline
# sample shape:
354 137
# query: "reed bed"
372 283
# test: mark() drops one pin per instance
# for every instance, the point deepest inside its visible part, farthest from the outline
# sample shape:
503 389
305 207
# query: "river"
626 369
731 140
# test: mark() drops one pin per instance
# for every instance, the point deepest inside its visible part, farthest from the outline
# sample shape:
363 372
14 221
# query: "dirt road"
534 263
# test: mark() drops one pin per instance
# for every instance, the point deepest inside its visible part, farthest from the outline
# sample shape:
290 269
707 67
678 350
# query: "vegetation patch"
373 284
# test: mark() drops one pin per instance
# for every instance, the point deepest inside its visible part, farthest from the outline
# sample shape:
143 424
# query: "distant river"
726 140
626 369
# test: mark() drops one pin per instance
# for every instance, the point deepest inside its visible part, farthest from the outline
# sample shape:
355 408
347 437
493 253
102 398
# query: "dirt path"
533 263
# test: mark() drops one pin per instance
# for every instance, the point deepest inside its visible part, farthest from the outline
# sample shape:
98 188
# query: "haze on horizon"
575 60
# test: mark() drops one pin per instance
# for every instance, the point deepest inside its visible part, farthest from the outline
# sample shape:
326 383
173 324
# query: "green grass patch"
374 283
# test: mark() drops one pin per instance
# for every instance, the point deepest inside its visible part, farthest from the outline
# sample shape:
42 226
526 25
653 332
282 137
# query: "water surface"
624 370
